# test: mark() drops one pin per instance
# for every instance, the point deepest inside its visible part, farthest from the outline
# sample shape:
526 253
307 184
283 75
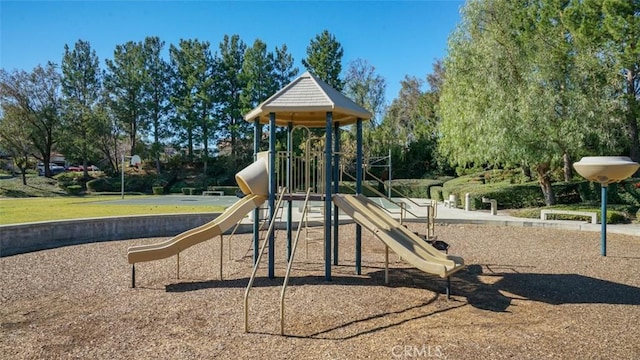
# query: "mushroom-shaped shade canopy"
306 101
606 169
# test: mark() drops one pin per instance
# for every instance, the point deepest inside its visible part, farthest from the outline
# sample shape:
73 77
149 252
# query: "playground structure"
252 182
306 103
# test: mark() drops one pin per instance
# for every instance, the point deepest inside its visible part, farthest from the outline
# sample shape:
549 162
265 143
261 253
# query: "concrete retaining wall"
16 239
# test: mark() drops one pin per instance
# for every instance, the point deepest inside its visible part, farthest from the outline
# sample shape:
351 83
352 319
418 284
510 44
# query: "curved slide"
401 240
197 235
253 182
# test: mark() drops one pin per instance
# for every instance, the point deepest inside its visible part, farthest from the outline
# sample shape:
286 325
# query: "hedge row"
418 188
614 216
511 196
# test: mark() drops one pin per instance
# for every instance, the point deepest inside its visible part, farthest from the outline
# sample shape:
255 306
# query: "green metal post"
327 200
289 184
603 235
336 188
272 191
359 191
257 132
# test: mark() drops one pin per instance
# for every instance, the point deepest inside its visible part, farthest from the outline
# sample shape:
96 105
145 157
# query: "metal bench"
213 192
594 216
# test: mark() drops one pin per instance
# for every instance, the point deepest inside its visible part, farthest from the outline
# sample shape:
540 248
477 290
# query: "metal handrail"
432 207
400 204
290 263
260 229
402 195
257 264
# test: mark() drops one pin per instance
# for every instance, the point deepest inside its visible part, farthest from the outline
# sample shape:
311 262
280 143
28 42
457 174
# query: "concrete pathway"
416 211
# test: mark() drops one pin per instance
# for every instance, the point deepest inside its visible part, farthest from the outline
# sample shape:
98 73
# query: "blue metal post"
603 220
327 200
289 183
272 191
257 134
359 191
336 181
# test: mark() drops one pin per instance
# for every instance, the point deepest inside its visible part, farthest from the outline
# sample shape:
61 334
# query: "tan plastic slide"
252 180
197 235
401 240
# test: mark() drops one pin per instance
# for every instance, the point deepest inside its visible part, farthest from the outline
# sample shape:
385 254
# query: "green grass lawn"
22 210
42 200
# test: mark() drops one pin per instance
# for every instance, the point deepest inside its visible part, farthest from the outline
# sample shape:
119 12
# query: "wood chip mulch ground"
527 293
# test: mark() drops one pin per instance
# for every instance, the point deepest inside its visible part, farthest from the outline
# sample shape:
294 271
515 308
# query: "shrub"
511 196
104 184
587 191
158 190
368 187
616 216
435 193
74 189
138 182
67 179
414 188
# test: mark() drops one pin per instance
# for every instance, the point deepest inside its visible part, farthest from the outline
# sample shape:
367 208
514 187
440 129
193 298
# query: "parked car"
79 168
53 168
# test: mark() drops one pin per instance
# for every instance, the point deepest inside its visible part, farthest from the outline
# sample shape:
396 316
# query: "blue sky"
397 37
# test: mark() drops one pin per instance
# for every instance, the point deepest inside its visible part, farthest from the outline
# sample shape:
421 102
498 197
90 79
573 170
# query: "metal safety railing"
290 263
431 207
260 253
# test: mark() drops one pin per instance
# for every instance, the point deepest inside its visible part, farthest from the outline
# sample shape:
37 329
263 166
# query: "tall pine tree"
82 89
324 59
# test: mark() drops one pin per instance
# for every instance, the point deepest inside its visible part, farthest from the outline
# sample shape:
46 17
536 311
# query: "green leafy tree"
622 25
409 130
15 138
125 82
35 95
366 88
324 59
82 89
257 75
193 94
156 100
108 138
229 85
513 91
283 69
607 33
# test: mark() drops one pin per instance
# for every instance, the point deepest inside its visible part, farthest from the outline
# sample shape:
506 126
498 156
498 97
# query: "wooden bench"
594 216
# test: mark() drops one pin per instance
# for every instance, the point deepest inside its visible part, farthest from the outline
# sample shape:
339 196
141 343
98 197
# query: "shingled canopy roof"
306 101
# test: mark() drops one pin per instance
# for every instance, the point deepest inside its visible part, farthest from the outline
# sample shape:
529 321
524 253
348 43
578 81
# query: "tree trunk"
544 178
568 170
526 170
23 172
46 159
632 117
